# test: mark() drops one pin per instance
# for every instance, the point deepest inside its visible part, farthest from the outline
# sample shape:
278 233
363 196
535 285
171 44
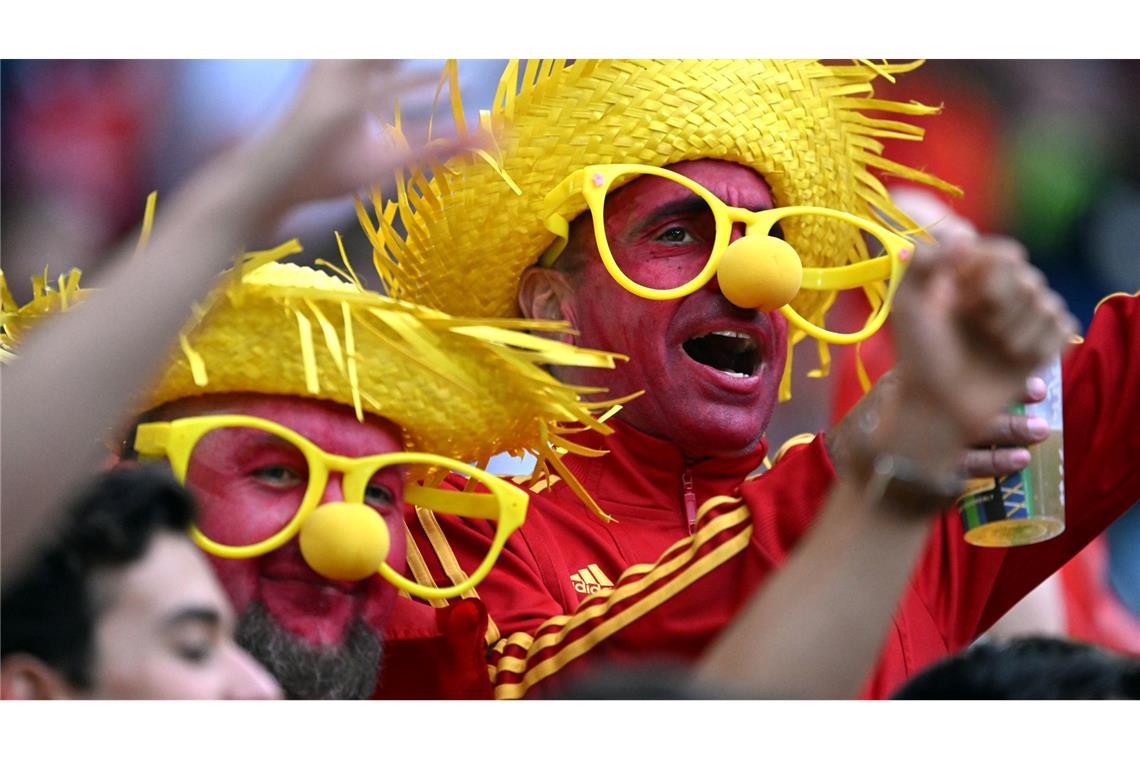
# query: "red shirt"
662 581
1093 613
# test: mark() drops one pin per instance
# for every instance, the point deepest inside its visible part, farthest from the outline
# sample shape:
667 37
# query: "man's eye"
676 235
278 476
195 653
378 496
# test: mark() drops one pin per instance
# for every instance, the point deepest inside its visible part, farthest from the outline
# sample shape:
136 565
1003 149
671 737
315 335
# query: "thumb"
385 156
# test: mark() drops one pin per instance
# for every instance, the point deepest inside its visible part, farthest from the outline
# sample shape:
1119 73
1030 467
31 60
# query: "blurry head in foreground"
1029 668
123 606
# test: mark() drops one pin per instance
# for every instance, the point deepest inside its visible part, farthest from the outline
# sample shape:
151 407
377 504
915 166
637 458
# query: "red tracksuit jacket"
690 546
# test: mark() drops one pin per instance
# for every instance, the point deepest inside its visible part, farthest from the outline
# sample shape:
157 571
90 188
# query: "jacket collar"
644 472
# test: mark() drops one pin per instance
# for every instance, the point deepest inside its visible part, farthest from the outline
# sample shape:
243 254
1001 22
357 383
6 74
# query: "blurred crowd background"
84 142
1046 151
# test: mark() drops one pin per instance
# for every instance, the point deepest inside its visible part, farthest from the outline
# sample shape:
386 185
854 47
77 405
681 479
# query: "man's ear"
23 676
547 294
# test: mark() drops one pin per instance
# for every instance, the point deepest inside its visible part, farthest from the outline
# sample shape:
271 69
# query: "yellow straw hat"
471 229
462 388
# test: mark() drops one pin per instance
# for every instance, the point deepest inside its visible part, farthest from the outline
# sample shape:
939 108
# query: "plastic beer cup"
1028 506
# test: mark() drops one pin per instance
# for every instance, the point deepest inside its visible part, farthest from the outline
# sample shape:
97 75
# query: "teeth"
731 334
732 352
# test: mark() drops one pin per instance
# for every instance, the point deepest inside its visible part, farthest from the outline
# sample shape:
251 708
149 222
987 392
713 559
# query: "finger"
929 212
1042 333
924 262
1025 294
413 90
1014 310
1012 294
985 268
1007 429
987 463
1035 390
928 284
388 158
383 65
386 85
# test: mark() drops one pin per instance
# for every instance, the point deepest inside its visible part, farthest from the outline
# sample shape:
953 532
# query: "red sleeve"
968 588
540 638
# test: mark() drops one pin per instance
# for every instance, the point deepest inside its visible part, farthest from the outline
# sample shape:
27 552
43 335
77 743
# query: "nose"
334 489
344 541
758 271
247 679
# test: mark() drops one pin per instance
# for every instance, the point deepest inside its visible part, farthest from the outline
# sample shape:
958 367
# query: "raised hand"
332 141
999 447
972 321
329 143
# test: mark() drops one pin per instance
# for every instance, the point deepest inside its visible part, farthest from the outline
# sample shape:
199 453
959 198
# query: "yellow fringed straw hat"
807 127
465 388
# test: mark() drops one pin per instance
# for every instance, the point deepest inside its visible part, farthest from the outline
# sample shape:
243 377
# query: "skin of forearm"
815 629
113 342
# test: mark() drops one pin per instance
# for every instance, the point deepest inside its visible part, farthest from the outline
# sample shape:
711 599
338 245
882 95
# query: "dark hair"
573 257
1029 668
49 611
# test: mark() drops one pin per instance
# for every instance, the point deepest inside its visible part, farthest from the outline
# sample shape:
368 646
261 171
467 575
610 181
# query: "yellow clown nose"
760 272
344 541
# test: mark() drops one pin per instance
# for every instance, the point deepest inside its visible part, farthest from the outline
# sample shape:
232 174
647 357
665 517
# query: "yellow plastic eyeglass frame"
594 182
505 503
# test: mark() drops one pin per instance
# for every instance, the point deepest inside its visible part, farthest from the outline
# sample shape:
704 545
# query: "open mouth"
728 351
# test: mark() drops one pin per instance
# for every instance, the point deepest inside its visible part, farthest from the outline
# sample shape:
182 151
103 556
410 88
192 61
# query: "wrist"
900 486
908 453
252 182
921 427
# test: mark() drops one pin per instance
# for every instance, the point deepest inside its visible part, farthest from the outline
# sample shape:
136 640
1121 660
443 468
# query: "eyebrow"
205 615
688 205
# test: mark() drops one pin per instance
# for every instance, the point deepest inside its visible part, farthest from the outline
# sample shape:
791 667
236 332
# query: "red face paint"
248 487
719 403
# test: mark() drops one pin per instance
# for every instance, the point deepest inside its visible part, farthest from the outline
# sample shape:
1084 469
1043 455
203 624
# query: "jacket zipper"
690 499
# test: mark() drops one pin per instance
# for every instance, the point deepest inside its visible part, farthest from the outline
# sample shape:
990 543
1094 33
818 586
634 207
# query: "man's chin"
348 669
701 440
719 427
318 614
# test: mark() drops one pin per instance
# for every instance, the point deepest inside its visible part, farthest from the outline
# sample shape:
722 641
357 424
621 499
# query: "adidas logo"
590 580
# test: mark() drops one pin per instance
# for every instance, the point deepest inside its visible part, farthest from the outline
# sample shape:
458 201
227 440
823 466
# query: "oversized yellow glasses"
272 479
688 242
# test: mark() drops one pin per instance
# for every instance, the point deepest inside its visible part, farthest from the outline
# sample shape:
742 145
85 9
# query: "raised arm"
75 376
969 327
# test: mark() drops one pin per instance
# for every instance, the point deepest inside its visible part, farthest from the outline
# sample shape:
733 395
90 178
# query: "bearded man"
304 413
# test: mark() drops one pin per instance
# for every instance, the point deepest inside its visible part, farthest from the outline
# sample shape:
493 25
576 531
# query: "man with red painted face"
711 370
321 638
304 452
682 532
